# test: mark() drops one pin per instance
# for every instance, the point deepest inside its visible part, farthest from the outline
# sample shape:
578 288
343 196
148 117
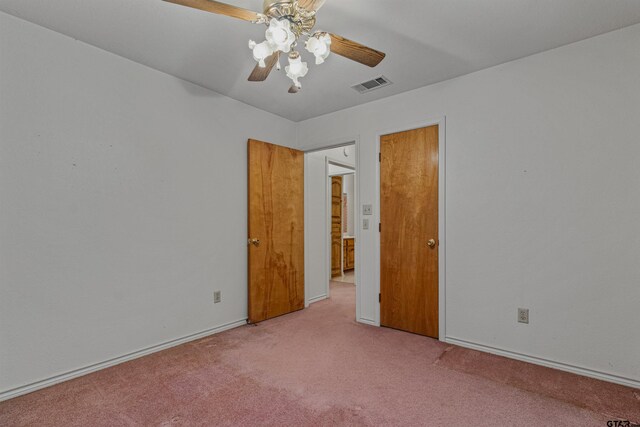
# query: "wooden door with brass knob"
409 231
276 230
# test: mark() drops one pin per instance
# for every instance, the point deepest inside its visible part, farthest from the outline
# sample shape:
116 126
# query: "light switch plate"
367 210
365 224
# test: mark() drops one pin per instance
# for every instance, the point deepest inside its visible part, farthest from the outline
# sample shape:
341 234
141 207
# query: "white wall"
338 170
543 200
123 204
337 154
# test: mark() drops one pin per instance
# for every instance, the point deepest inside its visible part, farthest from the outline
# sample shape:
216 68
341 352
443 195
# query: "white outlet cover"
367 210
523 315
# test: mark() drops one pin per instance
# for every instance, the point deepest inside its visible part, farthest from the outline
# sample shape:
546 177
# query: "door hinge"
380 227
379 297
380 157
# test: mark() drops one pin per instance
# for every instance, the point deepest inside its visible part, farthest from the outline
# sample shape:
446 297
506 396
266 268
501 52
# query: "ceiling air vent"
370 85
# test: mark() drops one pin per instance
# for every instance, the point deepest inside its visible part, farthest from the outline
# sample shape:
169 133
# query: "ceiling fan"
287 22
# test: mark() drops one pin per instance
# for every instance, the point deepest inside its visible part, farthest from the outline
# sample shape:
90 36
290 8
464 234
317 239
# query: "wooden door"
276 230
351 254
348 253
336 226
409 231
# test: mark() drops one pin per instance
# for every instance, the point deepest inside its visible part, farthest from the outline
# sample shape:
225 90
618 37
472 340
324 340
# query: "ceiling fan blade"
260 74
311 5
294 89
219 8
355 51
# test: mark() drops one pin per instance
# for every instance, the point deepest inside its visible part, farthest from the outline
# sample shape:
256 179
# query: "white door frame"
341 142
441 122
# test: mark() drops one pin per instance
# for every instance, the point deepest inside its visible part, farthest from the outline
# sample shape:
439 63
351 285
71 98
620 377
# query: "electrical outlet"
523 315
217 297
367 210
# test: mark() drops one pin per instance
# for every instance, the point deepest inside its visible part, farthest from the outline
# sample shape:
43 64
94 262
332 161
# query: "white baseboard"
318 298
368 321
28 388
548 363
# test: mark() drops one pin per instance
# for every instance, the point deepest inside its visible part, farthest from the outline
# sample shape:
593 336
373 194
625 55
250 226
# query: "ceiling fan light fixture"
288 21
319 44
261 51
279 35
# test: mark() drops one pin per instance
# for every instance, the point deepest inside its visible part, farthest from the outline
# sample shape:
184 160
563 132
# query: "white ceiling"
426 41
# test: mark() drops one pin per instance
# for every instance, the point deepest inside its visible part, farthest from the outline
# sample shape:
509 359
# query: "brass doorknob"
255 242
431 243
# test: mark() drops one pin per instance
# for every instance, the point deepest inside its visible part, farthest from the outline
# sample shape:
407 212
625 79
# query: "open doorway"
330 215
342 212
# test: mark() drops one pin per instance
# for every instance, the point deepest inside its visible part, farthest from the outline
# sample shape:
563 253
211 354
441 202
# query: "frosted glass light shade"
319 45
261 51
296 69
279 35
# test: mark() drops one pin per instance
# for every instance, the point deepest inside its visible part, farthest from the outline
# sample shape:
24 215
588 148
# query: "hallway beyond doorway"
347 277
